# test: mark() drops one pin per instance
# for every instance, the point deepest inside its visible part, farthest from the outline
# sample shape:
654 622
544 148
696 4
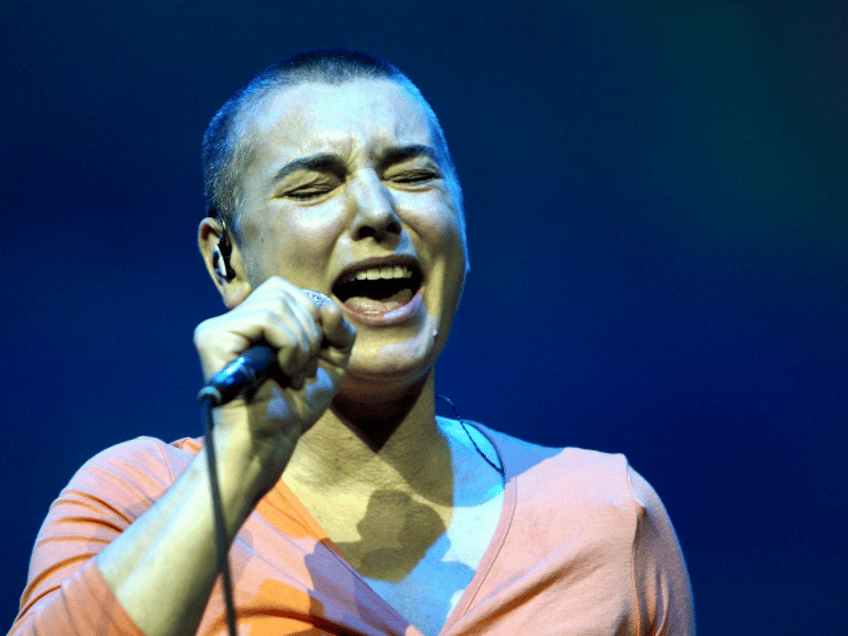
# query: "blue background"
656 199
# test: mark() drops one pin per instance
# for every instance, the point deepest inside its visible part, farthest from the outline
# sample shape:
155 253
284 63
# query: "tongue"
365 305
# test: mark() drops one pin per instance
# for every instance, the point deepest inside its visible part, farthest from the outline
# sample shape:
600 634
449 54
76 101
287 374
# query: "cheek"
310 242
440 236
444 236
300 245
435 221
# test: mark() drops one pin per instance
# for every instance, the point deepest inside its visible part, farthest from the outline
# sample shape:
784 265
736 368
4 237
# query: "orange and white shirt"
583 546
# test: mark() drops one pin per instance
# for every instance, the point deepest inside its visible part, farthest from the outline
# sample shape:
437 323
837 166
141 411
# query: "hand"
313 343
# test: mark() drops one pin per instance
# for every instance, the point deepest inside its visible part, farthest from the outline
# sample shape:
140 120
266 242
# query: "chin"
387 380
407 358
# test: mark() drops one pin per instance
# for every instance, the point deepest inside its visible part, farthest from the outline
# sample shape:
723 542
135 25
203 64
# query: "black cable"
462 423
218 513
207 400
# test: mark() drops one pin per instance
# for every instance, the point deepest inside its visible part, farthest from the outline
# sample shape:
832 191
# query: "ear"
232 285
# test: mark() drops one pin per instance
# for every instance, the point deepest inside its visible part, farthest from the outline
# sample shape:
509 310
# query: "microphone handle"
244 374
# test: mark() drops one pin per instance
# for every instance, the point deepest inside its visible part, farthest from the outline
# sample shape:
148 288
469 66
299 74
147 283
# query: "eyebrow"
400 154
323 162
319 162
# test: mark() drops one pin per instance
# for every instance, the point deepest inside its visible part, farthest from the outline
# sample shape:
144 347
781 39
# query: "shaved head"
229 141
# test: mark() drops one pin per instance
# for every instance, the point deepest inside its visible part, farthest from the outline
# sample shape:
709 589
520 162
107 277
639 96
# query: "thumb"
337 330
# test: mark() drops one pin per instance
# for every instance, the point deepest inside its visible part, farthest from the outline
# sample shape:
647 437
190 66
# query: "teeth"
377 273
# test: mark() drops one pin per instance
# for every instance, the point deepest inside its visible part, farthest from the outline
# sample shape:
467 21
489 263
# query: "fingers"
277 314
337 342
338 332
300 325
313 343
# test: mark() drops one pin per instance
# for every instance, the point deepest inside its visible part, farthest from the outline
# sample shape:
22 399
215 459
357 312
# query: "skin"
354 433
309 226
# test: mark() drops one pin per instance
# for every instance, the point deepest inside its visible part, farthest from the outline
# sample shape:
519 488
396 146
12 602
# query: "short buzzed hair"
227 150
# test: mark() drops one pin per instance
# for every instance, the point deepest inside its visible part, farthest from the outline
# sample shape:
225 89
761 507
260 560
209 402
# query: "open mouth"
373 290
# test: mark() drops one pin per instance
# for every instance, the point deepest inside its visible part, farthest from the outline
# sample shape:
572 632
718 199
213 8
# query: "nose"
374 208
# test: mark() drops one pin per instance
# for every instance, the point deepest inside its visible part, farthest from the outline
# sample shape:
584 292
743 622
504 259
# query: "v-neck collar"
298 509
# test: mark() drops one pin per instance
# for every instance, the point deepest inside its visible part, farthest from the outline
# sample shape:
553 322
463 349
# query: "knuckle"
267 315
204 332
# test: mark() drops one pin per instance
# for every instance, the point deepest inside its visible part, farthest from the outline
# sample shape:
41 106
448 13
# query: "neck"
358 446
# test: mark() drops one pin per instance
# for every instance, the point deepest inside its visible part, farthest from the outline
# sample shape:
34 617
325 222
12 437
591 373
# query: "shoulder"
660 575
110 491
523 459
144 466
569 477
102 499
600 506
144 453
557 483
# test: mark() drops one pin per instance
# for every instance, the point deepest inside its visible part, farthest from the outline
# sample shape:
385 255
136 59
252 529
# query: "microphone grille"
317 297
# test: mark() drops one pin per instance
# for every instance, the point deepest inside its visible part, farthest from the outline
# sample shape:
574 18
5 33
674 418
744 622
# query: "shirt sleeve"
659 570
66 593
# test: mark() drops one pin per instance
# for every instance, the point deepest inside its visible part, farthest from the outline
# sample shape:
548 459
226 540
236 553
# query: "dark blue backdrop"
656 198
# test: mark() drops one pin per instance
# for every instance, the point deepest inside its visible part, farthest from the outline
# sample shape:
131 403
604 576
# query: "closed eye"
309 177
308 192
414 176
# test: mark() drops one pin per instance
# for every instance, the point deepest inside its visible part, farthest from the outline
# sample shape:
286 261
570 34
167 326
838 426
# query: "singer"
336 238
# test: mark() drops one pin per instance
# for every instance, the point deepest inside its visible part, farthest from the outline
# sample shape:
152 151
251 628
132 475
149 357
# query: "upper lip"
393 260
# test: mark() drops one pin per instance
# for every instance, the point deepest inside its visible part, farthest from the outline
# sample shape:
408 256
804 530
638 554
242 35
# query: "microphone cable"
245 375
206 404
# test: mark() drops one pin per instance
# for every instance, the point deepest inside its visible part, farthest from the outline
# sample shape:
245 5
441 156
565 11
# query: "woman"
336 217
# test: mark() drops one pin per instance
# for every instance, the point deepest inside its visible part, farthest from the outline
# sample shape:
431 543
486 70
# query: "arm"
66 593
161 568
660 576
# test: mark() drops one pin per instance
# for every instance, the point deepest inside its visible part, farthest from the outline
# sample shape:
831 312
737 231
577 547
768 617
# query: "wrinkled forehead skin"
249 125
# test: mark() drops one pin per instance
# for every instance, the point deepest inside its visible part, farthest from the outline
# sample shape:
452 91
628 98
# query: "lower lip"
393 317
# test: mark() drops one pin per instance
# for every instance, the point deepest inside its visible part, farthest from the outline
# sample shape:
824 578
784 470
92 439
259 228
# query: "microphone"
247 372
244 374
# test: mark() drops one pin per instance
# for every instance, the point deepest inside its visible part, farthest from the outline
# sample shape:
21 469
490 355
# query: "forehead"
348 118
